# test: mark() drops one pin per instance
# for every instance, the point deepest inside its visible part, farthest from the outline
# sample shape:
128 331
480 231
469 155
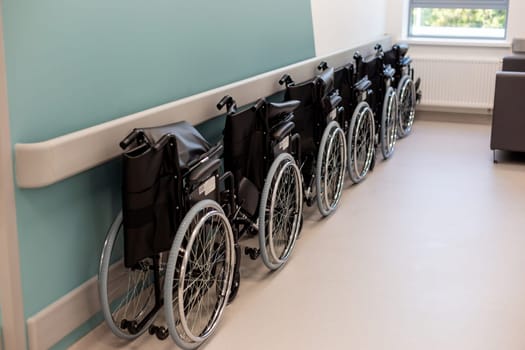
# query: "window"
480 19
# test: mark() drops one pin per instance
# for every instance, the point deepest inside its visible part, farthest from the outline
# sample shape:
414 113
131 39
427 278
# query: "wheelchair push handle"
322 66
258 105
164 140
378 48
226 100
128 140
285 79
357 56
229 102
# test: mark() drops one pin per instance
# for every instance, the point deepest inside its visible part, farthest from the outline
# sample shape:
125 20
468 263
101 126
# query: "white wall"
396 24
340 24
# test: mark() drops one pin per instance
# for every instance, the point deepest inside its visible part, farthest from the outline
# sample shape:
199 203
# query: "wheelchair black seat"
190 143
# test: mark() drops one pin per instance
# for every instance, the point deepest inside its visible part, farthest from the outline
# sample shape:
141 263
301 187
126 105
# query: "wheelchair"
174 244
322 150
258 143
358 120
409 93
383 100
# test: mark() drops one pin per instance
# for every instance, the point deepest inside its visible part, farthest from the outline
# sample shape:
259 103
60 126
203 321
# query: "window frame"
462 4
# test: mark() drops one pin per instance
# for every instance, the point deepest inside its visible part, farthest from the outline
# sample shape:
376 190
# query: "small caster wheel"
131 326
310 200
152 329
162 333
253 253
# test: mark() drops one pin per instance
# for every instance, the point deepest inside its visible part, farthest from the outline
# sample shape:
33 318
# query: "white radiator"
457 82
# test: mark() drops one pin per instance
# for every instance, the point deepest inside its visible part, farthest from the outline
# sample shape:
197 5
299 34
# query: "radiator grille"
453 82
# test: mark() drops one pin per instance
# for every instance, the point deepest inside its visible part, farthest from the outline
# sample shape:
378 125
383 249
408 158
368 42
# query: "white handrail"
44 163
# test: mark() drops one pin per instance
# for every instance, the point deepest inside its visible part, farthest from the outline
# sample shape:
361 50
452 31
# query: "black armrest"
402 48
333 101
204 170
363 84
508 120
405 61
215 151
282 130
514 63
389 71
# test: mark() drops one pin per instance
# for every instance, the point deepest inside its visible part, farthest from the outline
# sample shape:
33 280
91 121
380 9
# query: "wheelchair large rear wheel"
330 168
407 106
199 274
361 144
389 120
280 211
127 295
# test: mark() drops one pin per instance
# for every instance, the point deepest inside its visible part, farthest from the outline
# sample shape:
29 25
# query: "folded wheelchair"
173 244
258 143
408 92
358 124
322 150
382 99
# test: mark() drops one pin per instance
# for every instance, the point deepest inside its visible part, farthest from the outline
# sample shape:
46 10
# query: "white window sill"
458 42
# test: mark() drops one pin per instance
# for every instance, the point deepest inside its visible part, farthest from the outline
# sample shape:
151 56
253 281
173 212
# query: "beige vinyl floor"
427 254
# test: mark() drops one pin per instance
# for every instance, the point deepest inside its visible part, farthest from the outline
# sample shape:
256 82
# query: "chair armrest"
514 63
508 119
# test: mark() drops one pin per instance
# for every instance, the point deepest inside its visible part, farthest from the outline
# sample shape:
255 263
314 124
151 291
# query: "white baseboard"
455 109
59 319
53 323
453 117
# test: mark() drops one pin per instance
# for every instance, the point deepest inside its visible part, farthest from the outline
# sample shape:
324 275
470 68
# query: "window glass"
457 22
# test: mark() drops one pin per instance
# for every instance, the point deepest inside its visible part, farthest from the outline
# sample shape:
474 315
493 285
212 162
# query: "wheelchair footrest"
253 253
160 332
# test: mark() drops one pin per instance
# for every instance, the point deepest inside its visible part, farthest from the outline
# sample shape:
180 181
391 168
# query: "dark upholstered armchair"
508 119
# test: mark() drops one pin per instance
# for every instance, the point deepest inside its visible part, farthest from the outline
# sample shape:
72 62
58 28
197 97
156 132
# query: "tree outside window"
458 23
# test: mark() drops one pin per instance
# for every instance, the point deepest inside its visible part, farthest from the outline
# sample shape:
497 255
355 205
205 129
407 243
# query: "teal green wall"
72 64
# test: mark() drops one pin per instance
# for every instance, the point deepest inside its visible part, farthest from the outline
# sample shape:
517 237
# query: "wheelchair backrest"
391 57
343 81
251 138
153 200
371 67
325 83
244 146
306 115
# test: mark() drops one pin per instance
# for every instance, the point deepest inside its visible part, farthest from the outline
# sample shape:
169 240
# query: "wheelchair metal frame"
267 130
359 124
323 145
202 201
383 100
409 93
